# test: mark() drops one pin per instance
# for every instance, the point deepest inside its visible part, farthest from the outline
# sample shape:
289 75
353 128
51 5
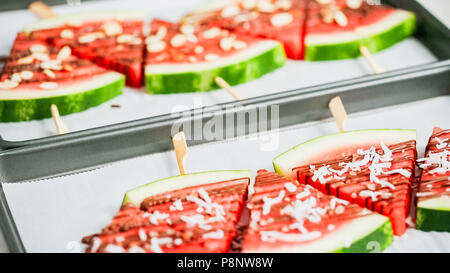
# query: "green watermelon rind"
376 241
138 194
374 43
14 110
297 156
433 215
204 80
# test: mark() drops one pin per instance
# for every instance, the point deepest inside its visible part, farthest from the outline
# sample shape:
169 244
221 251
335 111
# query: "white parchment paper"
53 215
136 104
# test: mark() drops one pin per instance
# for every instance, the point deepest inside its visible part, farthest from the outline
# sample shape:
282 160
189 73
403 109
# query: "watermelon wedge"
375 26
187 58
37 75
433 197
371 168
111 39
190 213
290 217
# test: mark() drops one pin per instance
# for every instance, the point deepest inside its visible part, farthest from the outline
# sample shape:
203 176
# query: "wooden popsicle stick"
222 83
376 67
61 128
180 147
41 10
338 111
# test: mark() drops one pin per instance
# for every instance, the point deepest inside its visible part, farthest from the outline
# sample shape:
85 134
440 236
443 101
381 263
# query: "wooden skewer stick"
180 146
377 68
222 83
338 111
61 128
41 10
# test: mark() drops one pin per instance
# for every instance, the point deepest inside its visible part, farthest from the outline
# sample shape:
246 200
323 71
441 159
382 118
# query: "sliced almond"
38 48
8 84
230 11
283 4
340 18
16 77
239 44
178 40
246 17
126 38
249 4
226 43
49 73
64 53
192 38
26 60
41 56
156 47
67 34
211 33
67 67
187 29
161 33
152 39
51 64
266 6
281 19
192 59
87 38
26 75
211 57
112 28
354 4
48 85
324 2
199 49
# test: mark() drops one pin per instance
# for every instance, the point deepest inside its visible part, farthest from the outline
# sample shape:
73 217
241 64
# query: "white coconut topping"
66 34
64 53
273 236
204 195
265 6
26 75
112 28
136 249
38 48
114 249
211 33
281 19
290 187
142 235
177 205
178 40
442 143
178 241
269 202
120 239
48 85
354 4
96 244
230 11
156 46
303 194
211 57
218 234
156 216
440 160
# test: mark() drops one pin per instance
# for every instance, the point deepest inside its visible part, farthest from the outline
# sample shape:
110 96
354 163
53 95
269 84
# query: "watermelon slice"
374 26
372 168
37 75
290 217
190 213
433 198
187 58
277 20
111 39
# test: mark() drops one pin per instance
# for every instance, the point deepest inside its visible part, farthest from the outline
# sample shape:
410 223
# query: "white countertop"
441 8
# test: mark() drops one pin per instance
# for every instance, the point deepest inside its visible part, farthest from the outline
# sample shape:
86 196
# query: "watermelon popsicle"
433 197
371 168
290 217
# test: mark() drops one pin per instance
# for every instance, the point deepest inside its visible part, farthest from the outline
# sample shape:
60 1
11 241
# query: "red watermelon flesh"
334 214
69 71
387 192
122 52
435 178
161 223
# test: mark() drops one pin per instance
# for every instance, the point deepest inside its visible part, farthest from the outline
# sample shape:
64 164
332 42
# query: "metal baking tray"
430 46
42 158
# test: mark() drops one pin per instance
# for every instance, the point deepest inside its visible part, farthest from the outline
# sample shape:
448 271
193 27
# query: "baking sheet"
136 104
53 215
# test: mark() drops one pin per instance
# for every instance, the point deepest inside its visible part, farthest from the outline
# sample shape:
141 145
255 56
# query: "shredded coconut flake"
218 234
269 202
177 205
290 187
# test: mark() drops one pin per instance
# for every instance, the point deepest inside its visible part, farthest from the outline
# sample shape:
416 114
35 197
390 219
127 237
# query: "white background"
70 207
